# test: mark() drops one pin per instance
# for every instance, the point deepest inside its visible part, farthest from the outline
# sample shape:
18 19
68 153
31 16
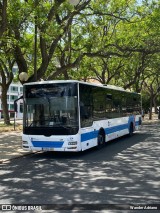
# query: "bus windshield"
51 109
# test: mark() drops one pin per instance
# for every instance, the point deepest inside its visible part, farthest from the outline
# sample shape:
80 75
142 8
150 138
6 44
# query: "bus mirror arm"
15 103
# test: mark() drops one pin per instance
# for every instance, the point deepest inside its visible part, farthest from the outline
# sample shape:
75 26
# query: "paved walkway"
10 146
11 143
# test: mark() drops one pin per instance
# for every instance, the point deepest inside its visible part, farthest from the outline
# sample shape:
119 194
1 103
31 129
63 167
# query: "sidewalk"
154 119
10 146
11 142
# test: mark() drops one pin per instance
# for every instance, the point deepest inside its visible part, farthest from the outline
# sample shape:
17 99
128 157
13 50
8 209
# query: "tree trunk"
5 107
66 77
155 105
150 109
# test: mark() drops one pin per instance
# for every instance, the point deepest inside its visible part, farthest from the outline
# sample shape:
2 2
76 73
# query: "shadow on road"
125 171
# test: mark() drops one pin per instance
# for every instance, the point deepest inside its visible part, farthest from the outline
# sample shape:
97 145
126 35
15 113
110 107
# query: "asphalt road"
125 171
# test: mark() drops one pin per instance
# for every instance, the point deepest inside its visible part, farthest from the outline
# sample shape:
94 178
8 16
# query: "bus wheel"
131 129
101 140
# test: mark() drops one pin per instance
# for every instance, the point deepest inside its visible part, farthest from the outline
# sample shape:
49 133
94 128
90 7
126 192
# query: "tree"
6 65
18 19
53 21
94 39
151 82
3 15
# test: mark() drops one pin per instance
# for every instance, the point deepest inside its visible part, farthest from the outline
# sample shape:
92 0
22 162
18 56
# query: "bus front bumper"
34 143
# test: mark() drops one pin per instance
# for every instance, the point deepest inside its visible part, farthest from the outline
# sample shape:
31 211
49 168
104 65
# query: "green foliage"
116 42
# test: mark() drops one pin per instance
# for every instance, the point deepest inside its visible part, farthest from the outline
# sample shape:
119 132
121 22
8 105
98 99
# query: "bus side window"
109 106
86 106
83 111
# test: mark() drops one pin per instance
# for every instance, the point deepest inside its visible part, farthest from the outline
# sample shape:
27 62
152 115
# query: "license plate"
48 149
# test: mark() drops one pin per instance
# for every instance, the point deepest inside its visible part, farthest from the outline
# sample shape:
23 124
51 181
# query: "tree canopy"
115 42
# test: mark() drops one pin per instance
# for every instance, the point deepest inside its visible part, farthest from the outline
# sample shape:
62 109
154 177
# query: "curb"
20 156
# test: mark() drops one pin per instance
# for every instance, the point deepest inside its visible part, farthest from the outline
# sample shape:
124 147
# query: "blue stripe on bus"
89 135
116 128
94 134
55 144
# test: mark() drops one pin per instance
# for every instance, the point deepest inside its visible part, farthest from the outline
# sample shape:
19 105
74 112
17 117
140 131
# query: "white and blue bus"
75 116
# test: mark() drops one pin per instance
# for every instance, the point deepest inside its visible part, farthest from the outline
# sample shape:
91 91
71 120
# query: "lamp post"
35 43
72 2
23 76
35 49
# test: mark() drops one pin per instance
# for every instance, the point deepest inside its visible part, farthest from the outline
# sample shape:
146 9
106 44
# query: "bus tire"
131 130
101 139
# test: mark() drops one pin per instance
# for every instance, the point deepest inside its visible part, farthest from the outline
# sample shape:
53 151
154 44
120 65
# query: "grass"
10 128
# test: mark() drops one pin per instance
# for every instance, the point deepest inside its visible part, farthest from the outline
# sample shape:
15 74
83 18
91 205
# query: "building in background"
14 92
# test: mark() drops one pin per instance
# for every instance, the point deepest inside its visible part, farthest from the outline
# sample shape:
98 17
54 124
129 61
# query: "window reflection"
98 103
52 106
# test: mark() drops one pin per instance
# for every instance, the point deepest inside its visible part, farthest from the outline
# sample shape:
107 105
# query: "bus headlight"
72 143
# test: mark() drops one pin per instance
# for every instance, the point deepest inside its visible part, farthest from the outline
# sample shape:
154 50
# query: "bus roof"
82 82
